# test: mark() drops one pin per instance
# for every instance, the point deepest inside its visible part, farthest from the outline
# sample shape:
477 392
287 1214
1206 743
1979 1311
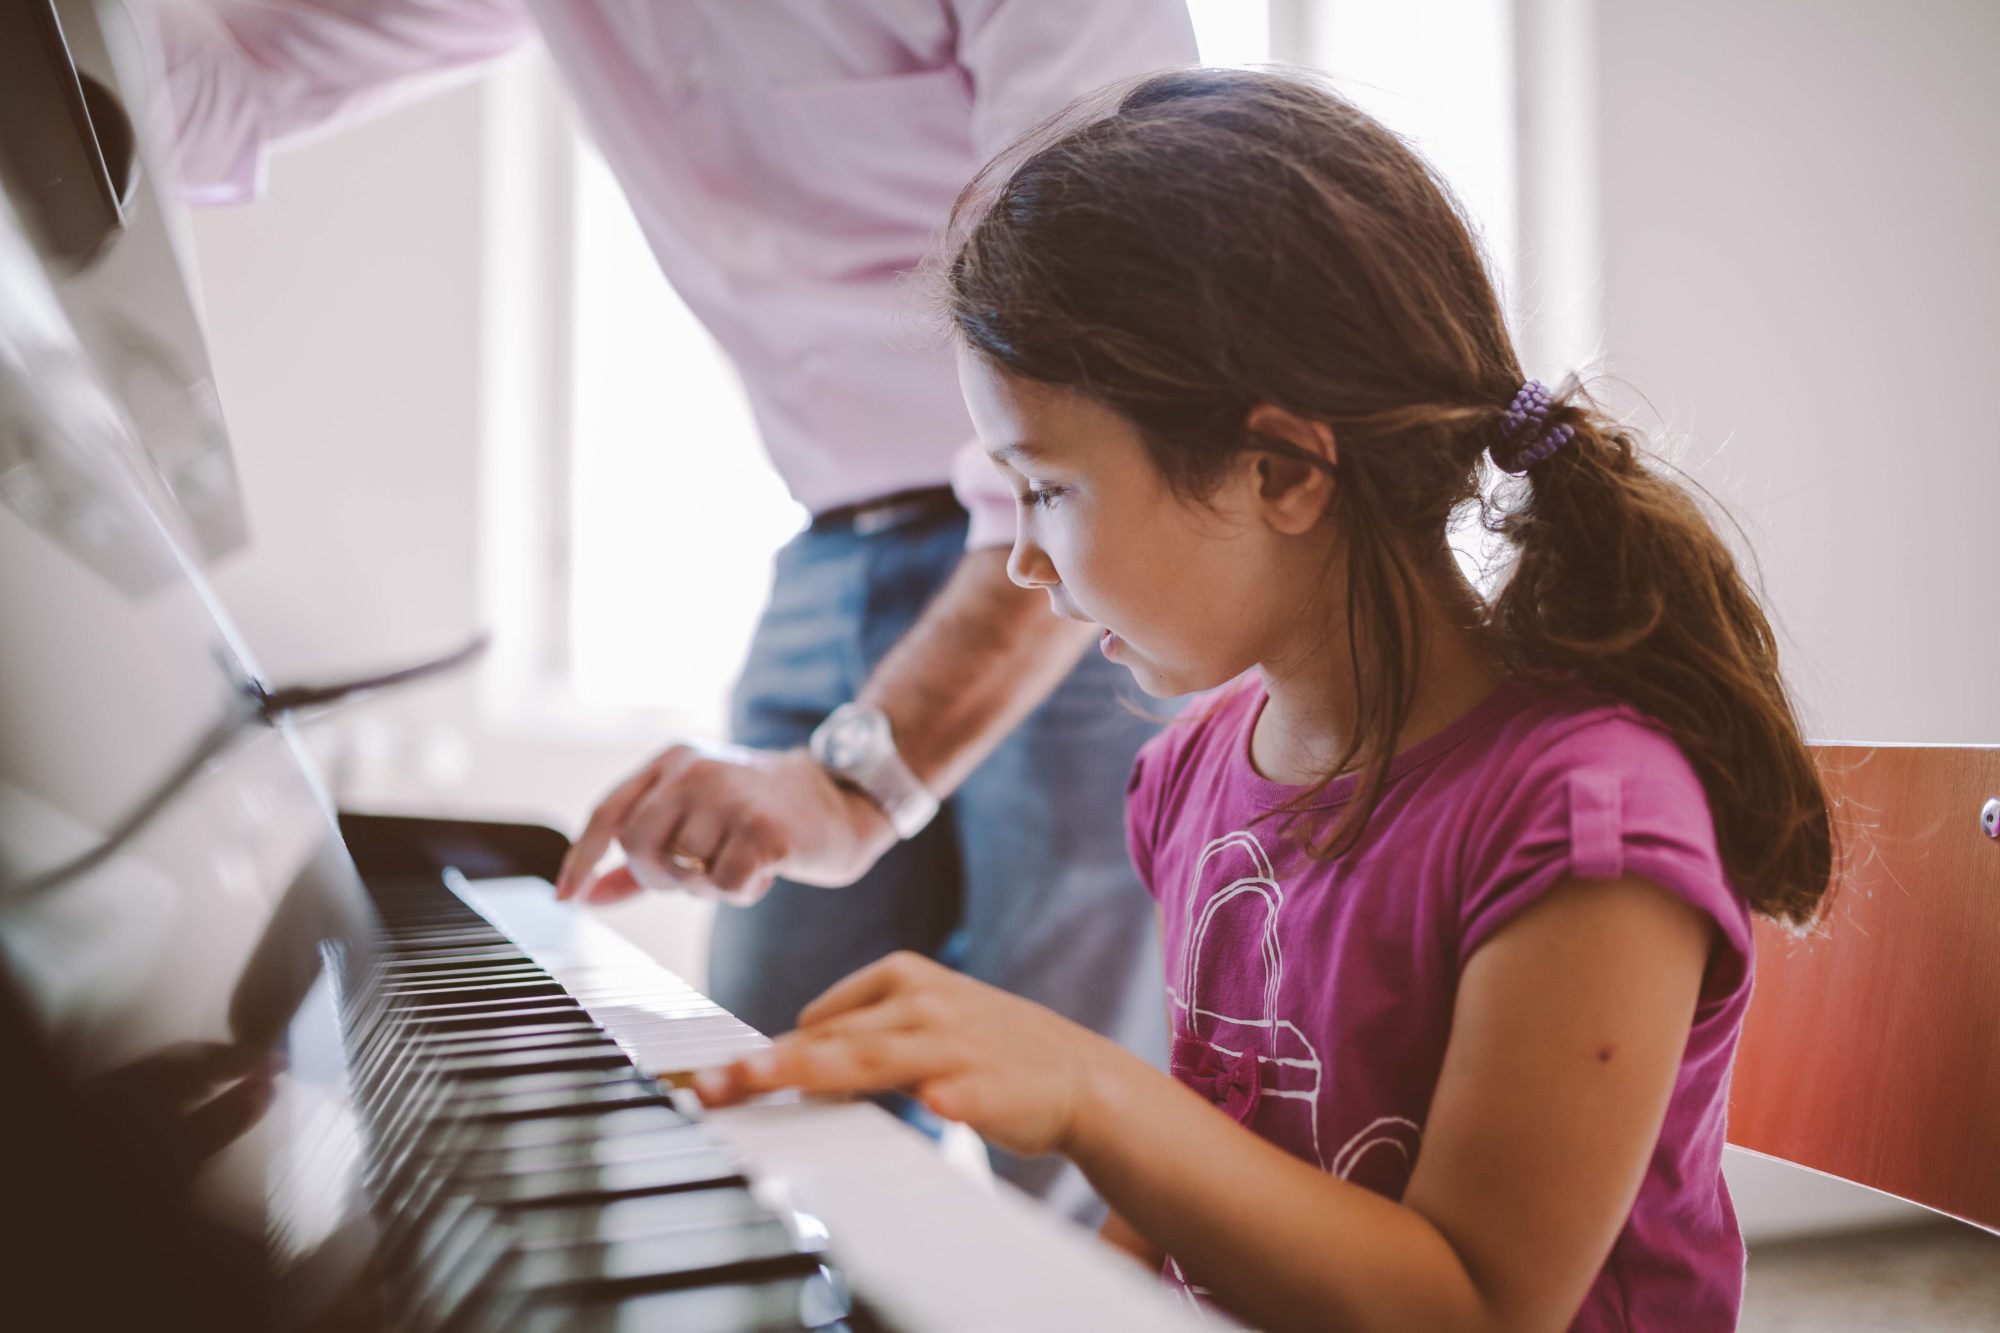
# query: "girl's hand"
1014 1071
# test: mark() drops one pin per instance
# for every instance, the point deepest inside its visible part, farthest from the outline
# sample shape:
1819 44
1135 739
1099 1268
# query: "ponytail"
1621 584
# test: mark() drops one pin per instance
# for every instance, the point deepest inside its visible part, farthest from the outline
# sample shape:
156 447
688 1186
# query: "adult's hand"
725 822
728 821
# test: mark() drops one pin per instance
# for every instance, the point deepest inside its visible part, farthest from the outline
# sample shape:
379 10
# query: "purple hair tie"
1525 436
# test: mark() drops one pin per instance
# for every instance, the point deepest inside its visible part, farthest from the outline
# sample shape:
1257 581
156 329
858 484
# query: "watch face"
850 741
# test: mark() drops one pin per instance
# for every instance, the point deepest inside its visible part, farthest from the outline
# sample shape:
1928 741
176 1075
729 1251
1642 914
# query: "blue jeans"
1023 878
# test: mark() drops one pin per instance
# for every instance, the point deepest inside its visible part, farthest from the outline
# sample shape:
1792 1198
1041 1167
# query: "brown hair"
1210 240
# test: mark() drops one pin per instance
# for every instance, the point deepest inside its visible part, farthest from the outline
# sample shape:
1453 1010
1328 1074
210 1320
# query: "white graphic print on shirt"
1230 1040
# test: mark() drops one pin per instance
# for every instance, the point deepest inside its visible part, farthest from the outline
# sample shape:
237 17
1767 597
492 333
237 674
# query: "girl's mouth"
1108 643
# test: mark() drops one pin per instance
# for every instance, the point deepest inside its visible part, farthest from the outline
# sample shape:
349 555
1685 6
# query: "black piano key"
448 1143
437 1107
408 943
601 1054
432 1039
468 953
479 1039
573 1154
657 1175
609 1095
452 992
567 1011
544 1039
569 1129
431 1008
404 1060
638 1215
741 1252
478 1096
815 1301
406 983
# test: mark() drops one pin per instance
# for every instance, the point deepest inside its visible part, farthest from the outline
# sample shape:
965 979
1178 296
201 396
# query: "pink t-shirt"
1313 1001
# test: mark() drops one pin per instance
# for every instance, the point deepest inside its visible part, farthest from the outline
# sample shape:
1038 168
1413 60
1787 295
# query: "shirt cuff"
986 497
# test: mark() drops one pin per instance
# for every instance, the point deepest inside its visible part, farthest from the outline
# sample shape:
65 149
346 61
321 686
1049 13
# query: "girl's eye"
1043 496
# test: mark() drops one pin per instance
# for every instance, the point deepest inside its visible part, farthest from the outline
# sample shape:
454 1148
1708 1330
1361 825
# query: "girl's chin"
1153 681
1156 680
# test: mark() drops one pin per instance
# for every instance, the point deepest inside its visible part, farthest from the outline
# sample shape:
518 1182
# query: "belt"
889 511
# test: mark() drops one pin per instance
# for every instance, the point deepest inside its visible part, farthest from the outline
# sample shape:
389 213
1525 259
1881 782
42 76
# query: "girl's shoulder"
1545 734
1568 783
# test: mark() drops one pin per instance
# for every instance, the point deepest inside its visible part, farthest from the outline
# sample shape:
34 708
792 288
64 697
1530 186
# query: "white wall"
1801 245
1796 210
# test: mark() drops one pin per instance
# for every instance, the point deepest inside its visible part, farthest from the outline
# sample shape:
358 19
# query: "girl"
1455 893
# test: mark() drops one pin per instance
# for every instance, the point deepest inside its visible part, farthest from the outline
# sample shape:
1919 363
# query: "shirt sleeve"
986 496
1029 58
1613 798
1142 807
242 77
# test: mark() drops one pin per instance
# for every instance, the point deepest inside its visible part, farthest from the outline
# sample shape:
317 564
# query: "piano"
271 1067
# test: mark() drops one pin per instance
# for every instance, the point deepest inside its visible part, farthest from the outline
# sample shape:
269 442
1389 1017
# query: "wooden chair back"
1872 1046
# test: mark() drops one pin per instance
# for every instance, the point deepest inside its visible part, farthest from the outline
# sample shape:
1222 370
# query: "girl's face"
1189 594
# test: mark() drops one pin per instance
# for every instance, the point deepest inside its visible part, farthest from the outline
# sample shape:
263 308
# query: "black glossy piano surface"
247 1084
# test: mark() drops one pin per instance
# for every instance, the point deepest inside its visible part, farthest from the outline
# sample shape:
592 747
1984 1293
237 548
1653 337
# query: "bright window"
1231 32
674 510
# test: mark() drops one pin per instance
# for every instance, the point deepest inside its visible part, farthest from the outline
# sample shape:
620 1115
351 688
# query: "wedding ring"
689 862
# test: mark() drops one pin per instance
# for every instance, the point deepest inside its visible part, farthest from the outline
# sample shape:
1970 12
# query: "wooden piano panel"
1872 1047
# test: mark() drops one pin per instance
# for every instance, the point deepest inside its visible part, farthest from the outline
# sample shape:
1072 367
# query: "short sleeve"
1029 59
1144 798
1612 797
242 78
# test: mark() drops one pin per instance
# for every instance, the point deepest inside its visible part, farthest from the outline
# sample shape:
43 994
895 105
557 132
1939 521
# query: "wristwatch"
856 746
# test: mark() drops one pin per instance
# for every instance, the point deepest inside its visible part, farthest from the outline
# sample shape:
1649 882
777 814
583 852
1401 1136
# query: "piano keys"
525 1171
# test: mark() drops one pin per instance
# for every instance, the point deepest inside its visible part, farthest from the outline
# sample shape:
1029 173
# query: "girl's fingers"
597 835
871 985
895 1013
864 1062
953 1096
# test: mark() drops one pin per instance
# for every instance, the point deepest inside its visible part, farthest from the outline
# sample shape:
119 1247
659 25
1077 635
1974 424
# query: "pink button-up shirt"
789 161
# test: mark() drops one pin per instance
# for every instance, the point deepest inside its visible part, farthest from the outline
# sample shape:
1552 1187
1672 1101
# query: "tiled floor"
1942 1276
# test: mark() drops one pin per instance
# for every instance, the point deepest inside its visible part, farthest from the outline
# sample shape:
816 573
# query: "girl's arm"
1119 1234
1566 1037
1567 1034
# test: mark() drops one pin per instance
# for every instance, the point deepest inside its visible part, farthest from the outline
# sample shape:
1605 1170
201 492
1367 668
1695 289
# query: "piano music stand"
480 849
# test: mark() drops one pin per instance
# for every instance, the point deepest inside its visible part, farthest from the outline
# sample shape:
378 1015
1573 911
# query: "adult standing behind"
788 160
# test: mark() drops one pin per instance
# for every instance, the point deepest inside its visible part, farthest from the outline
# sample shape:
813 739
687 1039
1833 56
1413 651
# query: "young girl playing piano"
1455 889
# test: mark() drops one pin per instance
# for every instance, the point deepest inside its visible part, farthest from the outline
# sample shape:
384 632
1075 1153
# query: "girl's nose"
1029 566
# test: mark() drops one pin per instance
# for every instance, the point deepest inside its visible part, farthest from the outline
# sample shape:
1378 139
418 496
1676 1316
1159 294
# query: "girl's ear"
1294 485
